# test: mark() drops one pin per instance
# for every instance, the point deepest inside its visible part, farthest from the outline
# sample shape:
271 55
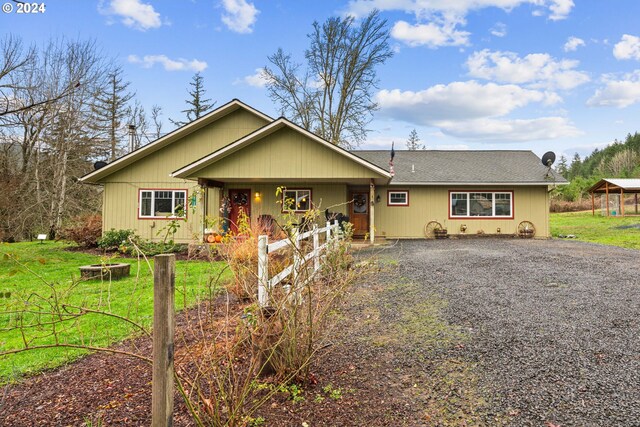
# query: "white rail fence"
300 261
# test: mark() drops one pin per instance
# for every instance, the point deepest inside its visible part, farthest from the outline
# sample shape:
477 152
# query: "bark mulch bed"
367 376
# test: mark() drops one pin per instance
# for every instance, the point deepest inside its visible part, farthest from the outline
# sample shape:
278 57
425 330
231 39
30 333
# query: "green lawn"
597 229
35 275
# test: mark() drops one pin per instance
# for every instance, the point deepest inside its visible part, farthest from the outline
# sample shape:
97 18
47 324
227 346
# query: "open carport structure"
614 187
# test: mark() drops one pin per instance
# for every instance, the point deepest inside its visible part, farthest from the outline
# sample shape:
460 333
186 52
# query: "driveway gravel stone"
553 326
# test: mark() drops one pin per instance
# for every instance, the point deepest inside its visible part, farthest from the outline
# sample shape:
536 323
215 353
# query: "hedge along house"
237 157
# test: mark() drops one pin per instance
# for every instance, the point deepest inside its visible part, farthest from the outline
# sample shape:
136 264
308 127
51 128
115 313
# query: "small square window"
296 200
398 198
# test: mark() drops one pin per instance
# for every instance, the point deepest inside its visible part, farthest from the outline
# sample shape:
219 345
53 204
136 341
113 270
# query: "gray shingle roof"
463 167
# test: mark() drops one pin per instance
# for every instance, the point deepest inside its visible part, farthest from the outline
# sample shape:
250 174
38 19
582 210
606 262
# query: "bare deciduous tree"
52 138
621 164
333 96
156 112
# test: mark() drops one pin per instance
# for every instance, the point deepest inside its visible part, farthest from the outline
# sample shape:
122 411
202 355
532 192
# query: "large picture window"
494 204
163 203
298 200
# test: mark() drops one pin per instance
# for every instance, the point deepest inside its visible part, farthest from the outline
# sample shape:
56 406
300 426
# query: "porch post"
372 196
593 205
205 203
606 188
621 201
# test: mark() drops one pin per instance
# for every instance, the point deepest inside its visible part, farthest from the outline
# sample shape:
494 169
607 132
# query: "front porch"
283 201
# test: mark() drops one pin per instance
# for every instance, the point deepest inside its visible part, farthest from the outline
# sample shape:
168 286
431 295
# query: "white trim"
153 203
493 204
406 197
176 133
272 127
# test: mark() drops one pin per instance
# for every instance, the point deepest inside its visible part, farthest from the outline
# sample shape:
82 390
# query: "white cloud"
258 79
475 111
560 9
557 8
573 43
499 30
431 34
617 93
456 101
438 22
538 70
510 130
239 15
627 48
134 13
456 9
179 64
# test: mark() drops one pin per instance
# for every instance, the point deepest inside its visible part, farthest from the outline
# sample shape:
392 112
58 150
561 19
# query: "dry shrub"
247 353
84 230
241 253
298 322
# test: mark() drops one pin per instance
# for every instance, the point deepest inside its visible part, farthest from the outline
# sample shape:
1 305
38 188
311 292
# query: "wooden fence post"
263 271
328 232
163 331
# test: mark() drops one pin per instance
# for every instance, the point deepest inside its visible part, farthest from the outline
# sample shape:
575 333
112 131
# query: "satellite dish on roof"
99 165
548 158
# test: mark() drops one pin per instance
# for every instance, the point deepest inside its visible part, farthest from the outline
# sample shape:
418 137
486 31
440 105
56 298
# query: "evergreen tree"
563 166
413 143
110 108
576 166
198 105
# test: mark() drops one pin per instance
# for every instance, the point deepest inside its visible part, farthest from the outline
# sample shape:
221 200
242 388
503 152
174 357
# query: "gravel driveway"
552 326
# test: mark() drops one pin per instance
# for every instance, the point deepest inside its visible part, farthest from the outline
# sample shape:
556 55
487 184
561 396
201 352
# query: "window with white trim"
398 198
495 204
298 200
163 203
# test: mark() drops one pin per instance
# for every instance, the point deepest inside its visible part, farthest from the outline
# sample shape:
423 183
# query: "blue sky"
560 75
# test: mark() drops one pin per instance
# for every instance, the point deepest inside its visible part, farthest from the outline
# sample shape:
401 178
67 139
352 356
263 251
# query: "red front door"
240 202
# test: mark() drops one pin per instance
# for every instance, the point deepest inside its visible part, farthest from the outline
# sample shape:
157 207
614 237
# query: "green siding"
120 199
432 203
121 211
157 166
285 154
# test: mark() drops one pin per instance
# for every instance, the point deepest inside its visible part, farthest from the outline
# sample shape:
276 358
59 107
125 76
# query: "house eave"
189 170
96 175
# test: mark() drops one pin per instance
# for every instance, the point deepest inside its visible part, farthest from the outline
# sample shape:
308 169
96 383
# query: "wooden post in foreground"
163 330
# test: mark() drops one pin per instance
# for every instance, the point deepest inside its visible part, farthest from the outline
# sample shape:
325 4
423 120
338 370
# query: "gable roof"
264 131
121 162
629 185
436 167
